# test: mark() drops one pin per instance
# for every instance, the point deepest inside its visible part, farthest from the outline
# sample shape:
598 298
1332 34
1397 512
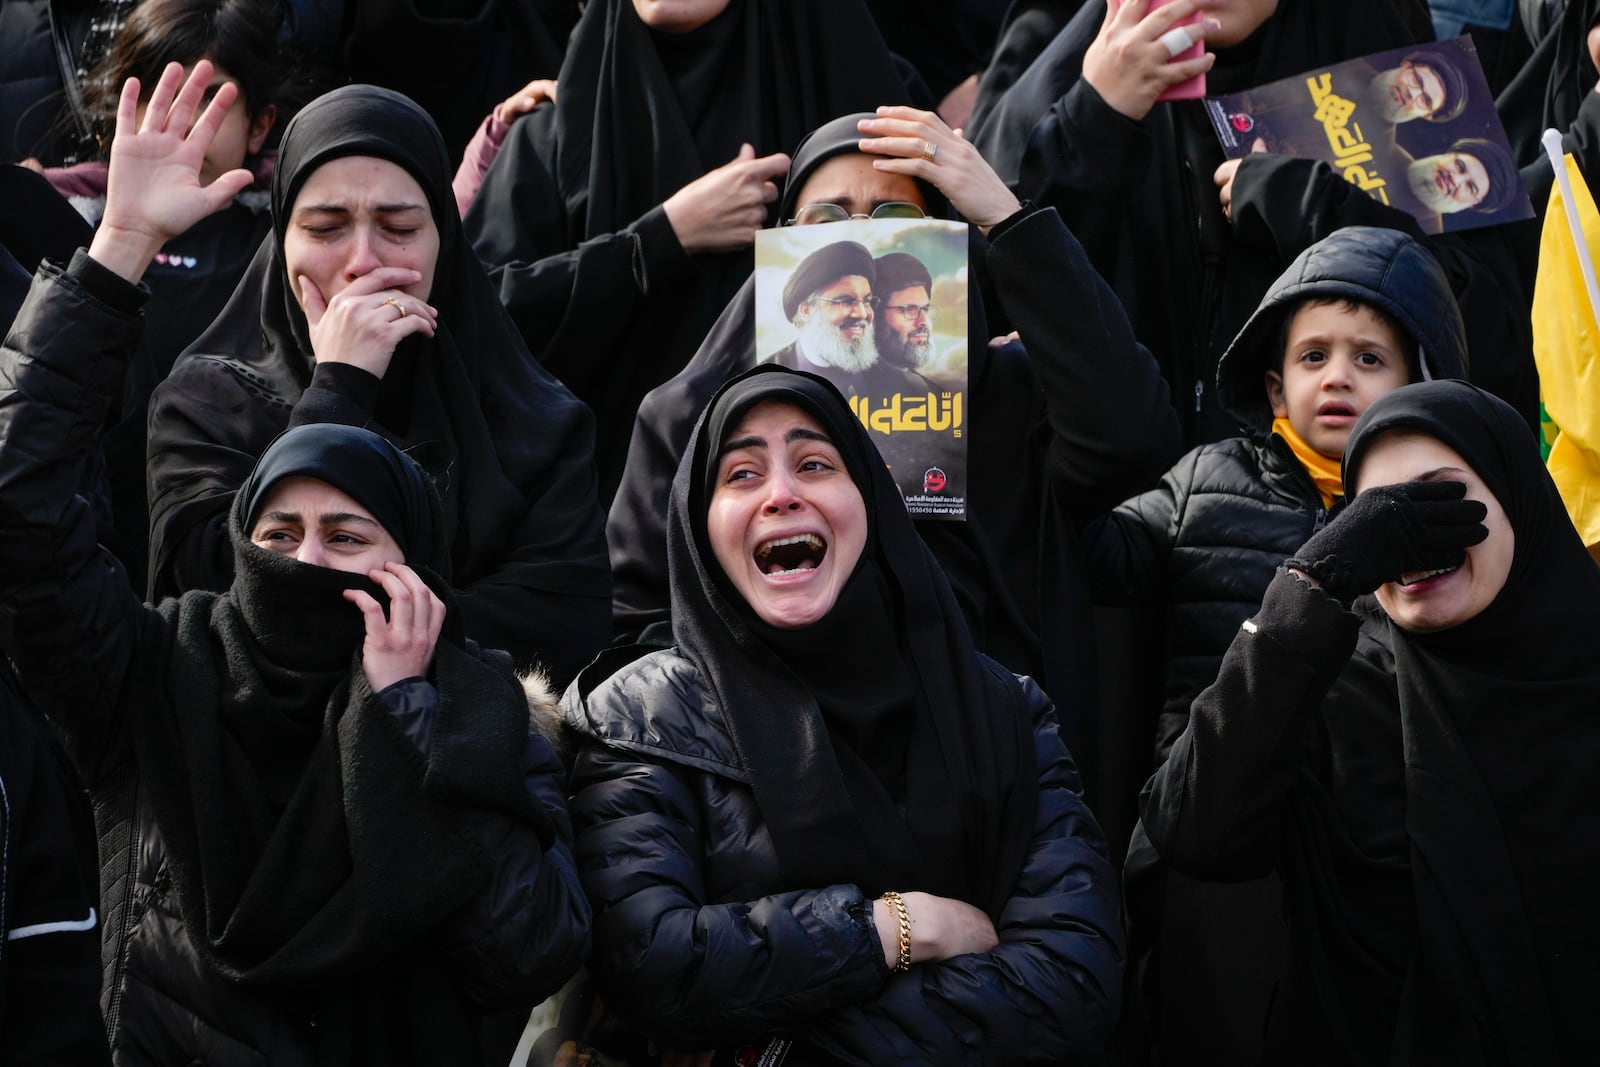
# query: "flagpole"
1552 146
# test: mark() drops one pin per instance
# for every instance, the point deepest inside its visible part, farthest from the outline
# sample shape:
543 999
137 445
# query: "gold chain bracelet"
903 918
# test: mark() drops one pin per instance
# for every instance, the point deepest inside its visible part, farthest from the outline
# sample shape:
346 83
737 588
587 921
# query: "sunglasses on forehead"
813 214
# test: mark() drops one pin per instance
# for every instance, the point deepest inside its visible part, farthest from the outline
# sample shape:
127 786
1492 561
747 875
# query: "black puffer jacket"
680 867
75 630
1203 545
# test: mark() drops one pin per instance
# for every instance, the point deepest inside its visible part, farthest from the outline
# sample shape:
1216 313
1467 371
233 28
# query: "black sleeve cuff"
338 393
657 252
1014 220
1307 622
105 285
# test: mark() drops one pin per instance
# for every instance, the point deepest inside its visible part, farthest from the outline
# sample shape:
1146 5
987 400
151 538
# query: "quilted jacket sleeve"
689 973
1050 991
808 963
69 620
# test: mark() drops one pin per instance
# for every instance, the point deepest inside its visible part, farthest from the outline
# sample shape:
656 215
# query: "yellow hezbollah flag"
1566 345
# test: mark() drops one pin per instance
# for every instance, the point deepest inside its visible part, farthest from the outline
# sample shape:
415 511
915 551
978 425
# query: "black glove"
1391 530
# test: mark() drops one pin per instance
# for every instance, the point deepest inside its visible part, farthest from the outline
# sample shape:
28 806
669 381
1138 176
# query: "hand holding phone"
1193 88
1146 51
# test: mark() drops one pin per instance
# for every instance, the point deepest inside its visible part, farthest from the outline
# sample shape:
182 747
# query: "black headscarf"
1501 720
312 847
905 760
641 114
1553 83
361 465
509 449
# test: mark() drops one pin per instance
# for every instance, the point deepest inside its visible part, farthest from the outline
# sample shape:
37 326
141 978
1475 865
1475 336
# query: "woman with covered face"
823 815
366 307
328 833
1428 801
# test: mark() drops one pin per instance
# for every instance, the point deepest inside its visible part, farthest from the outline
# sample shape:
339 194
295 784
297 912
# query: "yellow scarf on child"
1325 473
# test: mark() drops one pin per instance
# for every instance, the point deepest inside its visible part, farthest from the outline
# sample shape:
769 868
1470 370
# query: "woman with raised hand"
328 833
366 307
1428 801
823 815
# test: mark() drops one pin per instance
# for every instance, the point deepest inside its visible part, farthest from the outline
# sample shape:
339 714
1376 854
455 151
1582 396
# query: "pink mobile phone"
1195 87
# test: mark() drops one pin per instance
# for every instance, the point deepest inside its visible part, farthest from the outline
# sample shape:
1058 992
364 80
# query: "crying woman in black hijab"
366 307
1428 801
859 832
618 221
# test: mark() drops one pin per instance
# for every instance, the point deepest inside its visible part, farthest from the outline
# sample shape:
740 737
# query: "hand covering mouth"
1413 577
798 552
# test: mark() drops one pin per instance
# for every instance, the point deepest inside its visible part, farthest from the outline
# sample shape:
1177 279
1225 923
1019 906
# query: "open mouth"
788 555
1415 577
1334 407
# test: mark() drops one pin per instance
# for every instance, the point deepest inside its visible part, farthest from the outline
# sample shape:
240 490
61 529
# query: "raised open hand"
153 190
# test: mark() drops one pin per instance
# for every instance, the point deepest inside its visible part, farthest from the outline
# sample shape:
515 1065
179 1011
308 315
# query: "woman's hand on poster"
1130 65
1228 171
153 190
720 211
366 319
399 646
919 145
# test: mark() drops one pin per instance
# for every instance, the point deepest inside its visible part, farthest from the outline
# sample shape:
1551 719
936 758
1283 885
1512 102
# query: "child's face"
1337 361
239 135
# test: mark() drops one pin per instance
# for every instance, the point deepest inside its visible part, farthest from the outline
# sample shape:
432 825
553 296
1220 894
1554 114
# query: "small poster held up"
1414 127
879 308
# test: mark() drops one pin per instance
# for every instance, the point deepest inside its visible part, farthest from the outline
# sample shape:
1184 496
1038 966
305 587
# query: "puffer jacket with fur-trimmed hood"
1203 544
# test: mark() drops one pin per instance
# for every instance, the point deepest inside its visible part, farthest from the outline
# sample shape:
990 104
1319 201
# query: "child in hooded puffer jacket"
1356 315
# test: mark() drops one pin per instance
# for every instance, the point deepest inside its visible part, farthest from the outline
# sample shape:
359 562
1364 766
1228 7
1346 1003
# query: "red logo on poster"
746 1057
1241 122
933 480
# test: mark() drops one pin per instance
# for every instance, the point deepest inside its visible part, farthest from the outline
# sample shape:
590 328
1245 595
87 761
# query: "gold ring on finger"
929 150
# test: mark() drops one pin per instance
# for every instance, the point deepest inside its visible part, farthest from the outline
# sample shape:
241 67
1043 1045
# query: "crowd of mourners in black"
396 668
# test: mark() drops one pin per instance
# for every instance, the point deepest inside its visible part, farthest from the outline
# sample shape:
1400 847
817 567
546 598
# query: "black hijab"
509 449
641 114
361 465
905 760
993 560
1501 721
1553 83
312 846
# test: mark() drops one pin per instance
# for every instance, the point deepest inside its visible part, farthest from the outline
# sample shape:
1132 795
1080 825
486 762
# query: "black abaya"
1429 801
568 216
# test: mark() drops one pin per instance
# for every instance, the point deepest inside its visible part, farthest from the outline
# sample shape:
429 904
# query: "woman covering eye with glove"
1427 801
